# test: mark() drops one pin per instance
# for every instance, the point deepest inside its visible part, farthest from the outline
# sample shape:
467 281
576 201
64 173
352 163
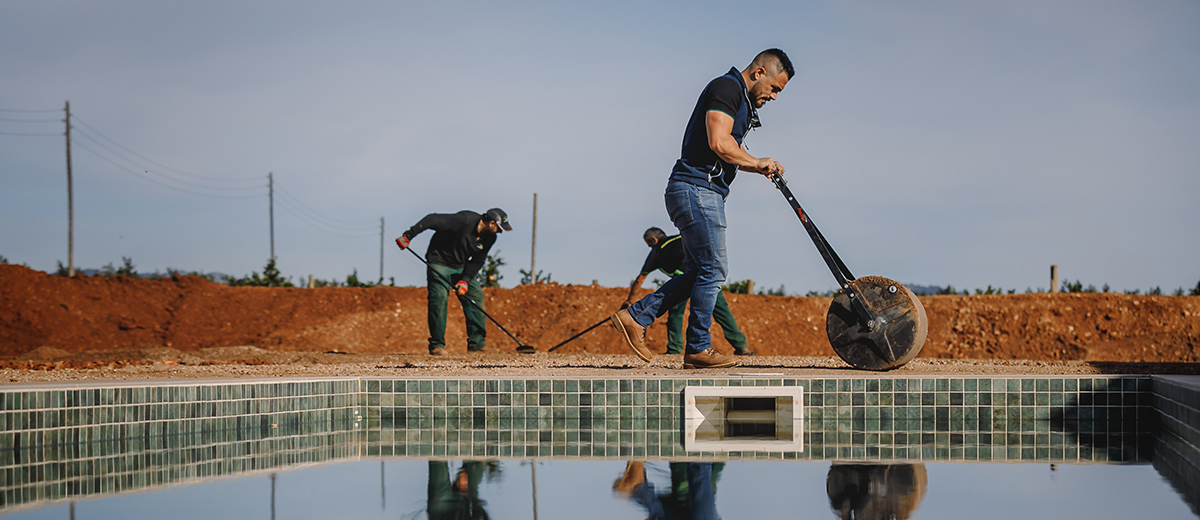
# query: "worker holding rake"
667 256
457 251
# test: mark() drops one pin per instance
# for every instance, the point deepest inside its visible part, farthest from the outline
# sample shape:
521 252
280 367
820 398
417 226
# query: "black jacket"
455 243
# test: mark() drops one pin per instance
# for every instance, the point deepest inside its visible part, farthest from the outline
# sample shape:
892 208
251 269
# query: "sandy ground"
495 364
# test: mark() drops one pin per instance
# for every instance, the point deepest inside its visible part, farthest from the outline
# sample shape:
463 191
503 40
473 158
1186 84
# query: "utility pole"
70 203
533 477
271 209
380 250
533 246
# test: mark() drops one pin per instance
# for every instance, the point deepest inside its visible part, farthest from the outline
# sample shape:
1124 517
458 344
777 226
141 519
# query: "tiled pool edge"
850 423
970 418
76 441
1177 400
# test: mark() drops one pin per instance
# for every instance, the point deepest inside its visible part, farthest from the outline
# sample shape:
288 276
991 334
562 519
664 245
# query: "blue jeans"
692 496
699 214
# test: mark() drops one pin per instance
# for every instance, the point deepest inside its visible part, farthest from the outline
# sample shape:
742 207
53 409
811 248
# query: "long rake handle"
580 333
477 306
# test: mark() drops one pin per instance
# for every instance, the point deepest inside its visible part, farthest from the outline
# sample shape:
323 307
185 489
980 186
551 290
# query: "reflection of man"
458 498
667 255
693 493
710 158
457 251
869 491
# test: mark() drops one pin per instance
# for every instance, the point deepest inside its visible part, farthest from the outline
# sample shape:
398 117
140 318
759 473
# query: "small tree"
1196 291
127 268
269 278
773 292
528 278
490 275
353 281
1077 287
990 290
738 287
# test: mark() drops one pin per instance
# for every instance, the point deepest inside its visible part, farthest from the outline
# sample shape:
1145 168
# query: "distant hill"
923 290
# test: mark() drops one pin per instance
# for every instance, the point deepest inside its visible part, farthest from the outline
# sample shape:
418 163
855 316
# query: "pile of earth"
50 321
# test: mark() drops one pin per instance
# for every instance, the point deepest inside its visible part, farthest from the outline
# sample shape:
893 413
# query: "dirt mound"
89 320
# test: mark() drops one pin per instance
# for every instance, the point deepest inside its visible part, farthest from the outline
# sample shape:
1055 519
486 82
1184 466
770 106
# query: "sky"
933 142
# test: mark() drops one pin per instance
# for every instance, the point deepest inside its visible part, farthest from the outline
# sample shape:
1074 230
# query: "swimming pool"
67 443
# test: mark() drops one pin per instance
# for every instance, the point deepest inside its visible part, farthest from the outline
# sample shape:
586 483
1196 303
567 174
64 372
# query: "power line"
135 173
151 161
30 111
131 162
22 134
290 208
332 222
30 120
149 171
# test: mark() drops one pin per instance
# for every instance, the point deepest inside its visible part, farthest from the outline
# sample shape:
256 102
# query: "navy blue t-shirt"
698 164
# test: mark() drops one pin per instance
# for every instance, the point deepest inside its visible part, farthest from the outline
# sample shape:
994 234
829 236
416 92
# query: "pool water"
576 489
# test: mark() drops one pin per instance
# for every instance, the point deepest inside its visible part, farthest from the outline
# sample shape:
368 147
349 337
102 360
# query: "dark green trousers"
443 501
440 282
721 315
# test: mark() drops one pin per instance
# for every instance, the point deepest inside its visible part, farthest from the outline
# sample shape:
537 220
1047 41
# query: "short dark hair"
653 232
775 56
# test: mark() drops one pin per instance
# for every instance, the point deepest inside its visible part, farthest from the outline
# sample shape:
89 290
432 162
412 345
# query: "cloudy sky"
933 142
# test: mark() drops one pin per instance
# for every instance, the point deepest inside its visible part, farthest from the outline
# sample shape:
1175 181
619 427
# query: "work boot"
635 475
439 351
744 352
708 359
635 334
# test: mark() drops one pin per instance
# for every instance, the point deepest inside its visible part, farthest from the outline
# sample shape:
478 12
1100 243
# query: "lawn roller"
873 323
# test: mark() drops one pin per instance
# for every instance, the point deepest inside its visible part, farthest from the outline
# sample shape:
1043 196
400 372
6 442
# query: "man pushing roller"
711 155
456 252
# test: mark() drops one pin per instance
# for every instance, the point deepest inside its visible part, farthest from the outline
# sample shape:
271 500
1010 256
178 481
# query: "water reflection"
692 494
455 498
870 491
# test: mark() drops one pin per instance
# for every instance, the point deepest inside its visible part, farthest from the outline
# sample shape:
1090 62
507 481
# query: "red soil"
83 315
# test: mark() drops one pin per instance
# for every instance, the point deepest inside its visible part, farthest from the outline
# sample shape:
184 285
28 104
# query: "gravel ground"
553 365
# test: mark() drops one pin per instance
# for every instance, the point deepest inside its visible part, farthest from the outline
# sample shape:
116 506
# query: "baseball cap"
498 216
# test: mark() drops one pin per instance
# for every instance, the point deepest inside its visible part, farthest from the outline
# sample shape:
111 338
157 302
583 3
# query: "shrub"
739 287
527 278
269 278
773 292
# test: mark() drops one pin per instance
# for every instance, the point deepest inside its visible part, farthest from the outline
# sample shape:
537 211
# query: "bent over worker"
711 155
667 256
456 252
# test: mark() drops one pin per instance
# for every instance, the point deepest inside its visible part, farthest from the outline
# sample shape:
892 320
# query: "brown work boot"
708 359
635 335
635 474
438 351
